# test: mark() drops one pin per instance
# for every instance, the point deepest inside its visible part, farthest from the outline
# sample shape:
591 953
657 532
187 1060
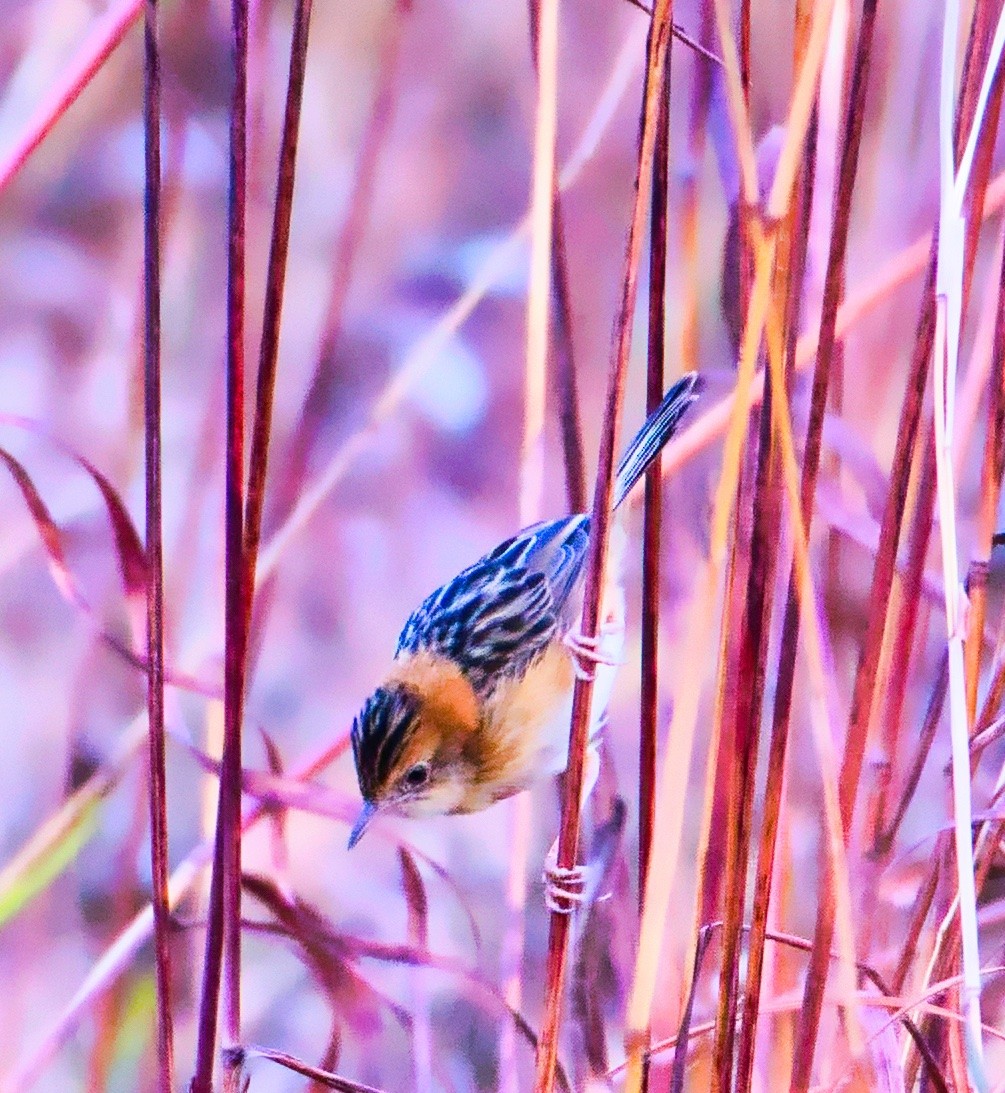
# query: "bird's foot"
587 652
564 889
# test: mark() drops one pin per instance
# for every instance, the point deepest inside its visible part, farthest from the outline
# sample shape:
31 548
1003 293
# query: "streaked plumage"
475 707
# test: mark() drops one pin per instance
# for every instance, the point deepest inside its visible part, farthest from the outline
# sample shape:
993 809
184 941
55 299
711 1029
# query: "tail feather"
658 429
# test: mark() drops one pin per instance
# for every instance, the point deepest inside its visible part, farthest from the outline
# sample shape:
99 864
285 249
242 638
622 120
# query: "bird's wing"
496 616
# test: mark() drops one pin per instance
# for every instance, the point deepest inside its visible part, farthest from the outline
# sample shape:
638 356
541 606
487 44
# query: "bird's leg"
567 890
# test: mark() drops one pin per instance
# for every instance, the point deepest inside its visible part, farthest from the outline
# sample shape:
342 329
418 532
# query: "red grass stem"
656 366
274 286
223 935
154 549
568 842
653 511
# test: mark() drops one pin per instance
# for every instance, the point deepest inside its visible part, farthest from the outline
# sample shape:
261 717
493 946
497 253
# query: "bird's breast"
526 722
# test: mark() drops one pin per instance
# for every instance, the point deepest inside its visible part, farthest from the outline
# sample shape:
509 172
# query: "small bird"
477 702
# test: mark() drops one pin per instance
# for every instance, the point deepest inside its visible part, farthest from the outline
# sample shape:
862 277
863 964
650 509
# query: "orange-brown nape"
415 741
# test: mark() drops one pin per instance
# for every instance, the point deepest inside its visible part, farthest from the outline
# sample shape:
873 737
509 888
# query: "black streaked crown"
379 734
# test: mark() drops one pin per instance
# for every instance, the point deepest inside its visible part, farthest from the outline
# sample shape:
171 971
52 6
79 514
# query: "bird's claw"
564 889
586 652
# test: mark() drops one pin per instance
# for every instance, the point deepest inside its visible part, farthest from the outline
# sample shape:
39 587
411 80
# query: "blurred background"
414 169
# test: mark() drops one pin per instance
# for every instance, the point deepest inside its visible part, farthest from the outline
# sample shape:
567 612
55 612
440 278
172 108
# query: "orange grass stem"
811 462
566 384
798 241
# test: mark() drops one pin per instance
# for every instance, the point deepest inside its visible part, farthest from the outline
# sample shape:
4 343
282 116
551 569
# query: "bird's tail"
658 429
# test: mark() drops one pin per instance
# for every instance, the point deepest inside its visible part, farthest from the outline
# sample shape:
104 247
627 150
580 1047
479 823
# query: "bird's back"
498 615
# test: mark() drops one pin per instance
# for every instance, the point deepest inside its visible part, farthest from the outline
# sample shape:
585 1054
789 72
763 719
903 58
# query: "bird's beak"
367 813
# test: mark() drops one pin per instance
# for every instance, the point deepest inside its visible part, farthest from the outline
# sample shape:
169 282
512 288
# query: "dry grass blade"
539 282
237 1057
417 903
797 238
131 558
835 900
56 841
566 384
679 1070
109 30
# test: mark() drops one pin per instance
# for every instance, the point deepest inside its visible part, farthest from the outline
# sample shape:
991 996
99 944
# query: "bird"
476 704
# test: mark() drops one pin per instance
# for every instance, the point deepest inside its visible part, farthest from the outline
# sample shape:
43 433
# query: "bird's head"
409 746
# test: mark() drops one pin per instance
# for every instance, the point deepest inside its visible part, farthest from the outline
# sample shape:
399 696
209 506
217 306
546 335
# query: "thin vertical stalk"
948 322
236 594
568 843
881 842
740 650
544 15
566 382
539 287
701 90
274 286
656 366
223 934
745 48
345 252
154 546
653 511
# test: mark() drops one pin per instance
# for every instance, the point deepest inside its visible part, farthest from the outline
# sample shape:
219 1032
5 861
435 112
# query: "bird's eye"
418 775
